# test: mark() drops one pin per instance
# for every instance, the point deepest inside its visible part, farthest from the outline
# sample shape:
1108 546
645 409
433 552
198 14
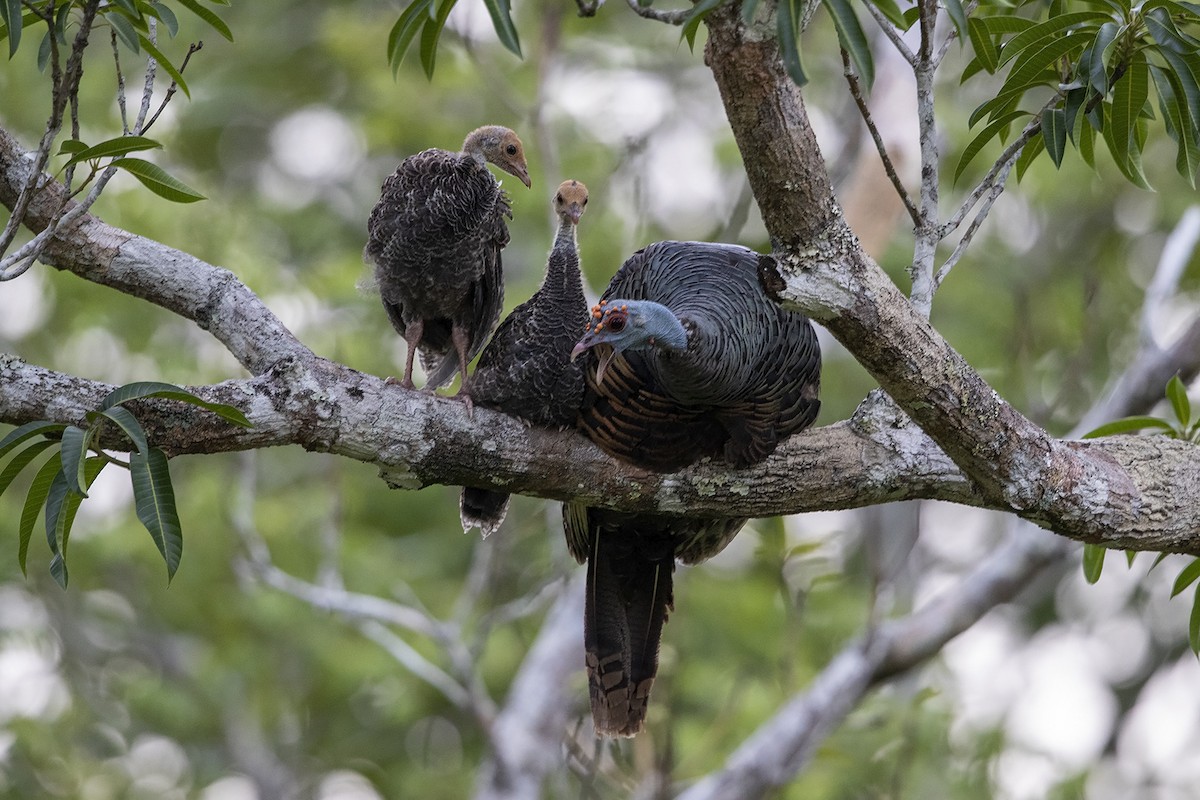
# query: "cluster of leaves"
429 18
61 483
114 153
1090 71
1185 428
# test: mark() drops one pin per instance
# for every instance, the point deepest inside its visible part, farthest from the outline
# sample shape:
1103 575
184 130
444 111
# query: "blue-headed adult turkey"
526 370
687 358
435 238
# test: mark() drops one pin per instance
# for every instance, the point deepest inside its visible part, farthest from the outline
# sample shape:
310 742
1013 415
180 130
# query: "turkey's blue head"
622 325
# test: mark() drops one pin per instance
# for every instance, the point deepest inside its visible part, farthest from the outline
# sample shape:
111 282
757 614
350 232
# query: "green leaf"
691 23
1128 425
402 33
1185 71
1177 394
990 131
1164 31
154 500
1033 148
110 147
26 431
169 391
788 16
55 498
124 419
11 9
1102 51
1045 30
1194 624
1120 134
853 40
981 42
129 6
124 30
1027 69
34 501
19 462
156 179
1093 562
1187 577
65 519
166 16
955 11
1087 145
889 8
996 26
166 64
206 14
1054 133
430 35
75 443
502 22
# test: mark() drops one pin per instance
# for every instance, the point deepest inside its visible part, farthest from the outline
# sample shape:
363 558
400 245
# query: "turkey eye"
511 149
616 324
585 201
558 197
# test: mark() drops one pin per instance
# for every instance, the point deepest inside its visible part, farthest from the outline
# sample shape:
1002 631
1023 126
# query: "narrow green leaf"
75 443
129 6
26 431
34 501
852 38
110 147
1054 133
1194 624
11 9
206 14
1164 31
889 8
1044 31
1186 577
65 520
990 131
691 23
1028 68
402 33
157 180
1102 50
1185 72
1120 134
124 419
1072 105
1177 394
43 56
1087 145
166 16
19 462
981 42
154 500
169 391
166 64
54 503
430 35
1029 154
996 26
957 16
1093 562
788 16
1128 425
71 147
502 22
124 30
1130 557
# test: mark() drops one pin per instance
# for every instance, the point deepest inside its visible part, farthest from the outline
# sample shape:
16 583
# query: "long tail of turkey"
483 509
629 594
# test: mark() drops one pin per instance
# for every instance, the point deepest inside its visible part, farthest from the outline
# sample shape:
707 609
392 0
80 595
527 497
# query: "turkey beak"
575 211
604 354
522 174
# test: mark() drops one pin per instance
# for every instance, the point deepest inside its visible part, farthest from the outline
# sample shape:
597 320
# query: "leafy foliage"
1090 72
428 18
62 481
1187 429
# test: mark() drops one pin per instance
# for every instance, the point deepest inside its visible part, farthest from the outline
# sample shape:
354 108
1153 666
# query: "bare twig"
192 48
893 35
926 233
865 111
116 51
669 17
997 188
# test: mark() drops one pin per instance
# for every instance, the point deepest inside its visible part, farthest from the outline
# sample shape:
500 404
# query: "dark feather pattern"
526 369
733 377
435 238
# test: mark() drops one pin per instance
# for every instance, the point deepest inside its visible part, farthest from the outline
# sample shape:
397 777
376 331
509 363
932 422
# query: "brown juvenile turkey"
526 370
686 359
435 238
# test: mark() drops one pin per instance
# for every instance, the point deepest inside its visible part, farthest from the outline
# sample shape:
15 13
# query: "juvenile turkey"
686 359
527 370
435 238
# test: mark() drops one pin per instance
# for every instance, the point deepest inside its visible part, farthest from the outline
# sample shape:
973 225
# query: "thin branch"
1176 254
192 48
649 12
893 35
993 194
116 51
865 111
926 234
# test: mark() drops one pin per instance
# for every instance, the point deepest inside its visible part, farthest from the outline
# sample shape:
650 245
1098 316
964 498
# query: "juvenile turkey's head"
629 325
570 201
500 146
